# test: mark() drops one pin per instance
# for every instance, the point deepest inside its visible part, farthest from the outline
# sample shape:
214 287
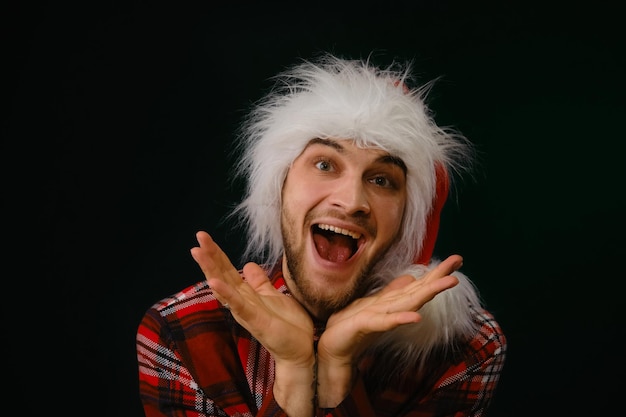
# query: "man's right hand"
277 321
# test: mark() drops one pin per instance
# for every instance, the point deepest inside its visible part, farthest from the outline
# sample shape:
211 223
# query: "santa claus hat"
354 100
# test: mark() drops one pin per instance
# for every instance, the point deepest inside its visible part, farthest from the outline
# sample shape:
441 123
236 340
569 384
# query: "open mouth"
334 243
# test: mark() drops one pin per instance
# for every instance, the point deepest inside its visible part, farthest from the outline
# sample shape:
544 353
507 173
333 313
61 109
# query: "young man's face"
342 207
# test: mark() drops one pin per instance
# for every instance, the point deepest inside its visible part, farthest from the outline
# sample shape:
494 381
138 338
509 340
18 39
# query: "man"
343 312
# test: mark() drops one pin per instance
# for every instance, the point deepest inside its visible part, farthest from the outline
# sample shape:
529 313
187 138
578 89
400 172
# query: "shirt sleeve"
464 389
182 373
166 386
470 385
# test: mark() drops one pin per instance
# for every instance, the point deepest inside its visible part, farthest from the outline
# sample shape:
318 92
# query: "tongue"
335 249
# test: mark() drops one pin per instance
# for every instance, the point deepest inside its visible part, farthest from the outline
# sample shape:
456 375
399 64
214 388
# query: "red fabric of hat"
434 217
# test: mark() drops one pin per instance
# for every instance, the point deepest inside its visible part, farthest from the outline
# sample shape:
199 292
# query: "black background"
115 152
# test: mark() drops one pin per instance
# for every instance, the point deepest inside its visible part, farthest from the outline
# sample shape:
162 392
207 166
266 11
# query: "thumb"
254 275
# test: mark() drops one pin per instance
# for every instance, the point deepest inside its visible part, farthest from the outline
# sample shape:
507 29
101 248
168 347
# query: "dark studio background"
115 153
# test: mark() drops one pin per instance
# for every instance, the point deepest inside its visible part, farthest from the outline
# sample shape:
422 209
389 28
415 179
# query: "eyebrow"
386 159
390 159
327 142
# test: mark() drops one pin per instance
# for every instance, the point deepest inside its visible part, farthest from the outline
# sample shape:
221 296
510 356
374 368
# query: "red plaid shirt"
195 360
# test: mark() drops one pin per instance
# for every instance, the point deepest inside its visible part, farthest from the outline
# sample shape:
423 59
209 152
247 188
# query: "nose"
350 194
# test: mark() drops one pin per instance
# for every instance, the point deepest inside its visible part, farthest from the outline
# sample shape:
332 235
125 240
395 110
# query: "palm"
277 321
348 330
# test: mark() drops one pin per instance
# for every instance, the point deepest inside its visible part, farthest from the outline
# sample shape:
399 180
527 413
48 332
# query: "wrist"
334 382
294 387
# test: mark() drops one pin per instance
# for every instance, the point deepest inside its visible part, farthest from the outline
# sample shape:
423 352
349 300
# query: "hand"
277 321
350 330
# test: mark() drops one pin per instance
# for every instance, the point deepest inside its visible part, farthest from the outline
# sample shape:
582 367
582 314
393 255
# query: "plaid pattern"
195 360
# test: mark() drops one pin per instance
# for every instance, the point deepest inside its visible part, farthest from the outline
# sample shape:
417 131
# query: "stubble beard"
318 303
309 294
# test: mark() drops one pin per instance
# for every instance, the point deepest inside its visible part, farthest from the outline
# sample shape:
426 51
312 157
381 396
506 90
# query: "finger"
213 261
450 264
405 309
224 293
443 283
445 267
398 283
414 296
382 322
385 322
255 275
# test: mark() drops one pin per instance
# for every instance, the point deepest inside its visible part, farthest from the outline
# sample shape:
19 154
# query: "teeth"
353 235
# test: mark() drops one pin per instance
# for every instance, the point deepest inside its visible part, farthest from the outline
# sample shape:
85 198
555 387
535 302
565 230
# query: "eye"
324 165
381 181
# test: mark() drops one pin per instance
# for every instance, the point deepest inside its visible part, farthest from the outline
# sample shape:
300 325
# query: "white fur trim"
445 318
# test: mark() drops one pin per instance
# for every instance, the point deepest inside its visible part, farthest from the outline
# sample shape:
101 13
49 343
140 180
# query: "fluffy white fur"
447 317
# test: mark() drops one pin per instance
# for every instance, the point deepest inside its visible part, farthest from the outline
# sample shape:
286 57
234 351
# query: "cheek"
297 201
391 218
303 192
